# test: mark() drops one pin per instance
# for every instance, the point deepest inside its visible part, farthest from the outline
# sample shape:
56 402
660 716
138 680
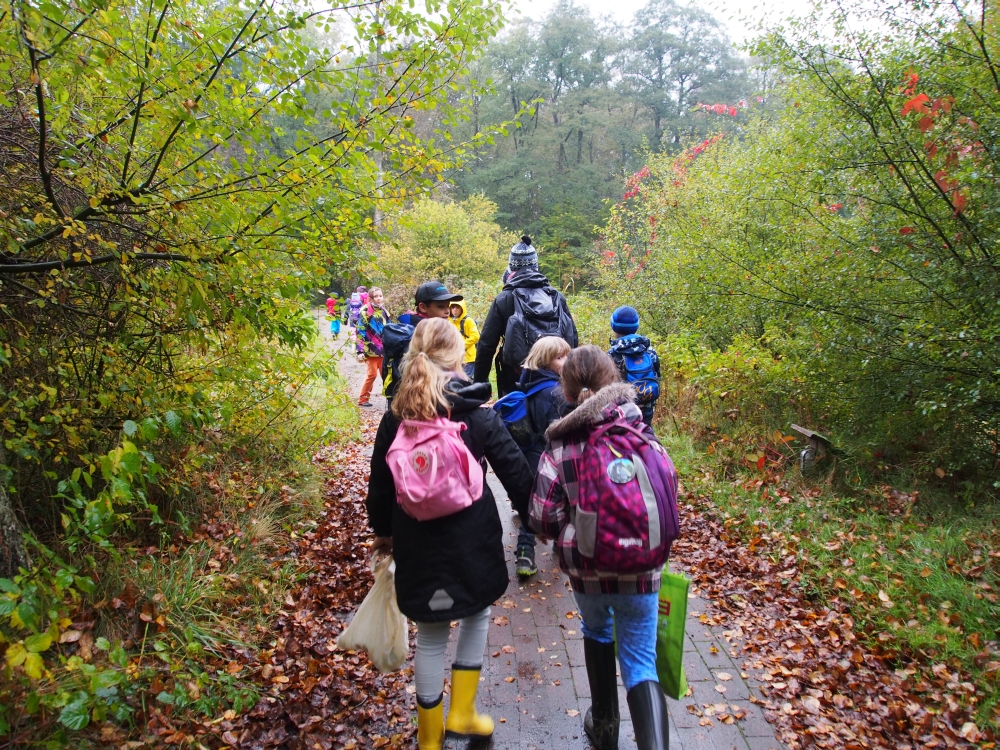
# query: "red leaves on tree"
724 109
917 104
926 123
834 207
906 230
958 201
909 86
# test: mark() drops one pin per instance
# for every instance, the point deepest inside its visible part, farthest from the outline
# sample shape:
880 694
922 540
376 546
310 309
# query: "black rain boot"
602 719
648 707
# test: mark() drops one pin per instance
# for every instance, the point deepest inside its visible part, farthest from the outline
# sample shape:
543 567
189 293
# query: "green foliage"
850 234
437 240
178 178
600 98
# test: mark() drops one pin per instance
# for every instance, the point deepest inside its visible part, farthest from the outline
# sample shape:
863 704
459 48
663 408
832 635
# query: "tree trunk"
579 146
13 554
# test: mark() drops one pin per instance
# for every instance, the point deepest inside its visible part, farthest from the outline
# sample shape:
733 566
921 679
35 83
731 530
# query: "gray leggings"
432 640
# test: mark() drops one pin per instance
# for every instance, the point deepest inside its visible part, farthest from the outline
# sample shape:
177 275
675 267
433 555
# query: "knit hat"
625 320
523 255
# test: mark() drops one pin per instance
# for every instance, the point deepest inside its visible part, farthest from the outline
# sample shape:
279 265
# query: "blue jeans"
525 538
632 617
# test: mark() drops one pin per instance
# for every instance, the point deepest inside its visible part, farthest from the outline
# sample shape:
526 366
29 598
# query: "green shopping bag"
670 634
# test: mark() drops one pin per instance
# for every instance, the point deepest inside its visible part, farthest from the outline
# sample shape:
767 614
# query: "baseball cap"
435 291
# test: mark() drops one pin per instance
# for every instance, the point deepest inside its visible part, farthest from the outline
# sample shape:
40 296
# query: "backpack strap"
539 387
622 425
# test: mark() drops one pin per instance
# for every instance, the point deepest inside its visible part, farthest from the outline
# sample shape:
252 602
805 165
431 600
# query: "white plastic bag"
378 626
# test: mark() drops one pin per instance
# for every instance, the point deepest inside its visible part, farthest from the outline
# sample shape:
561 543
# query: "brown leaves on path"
824 685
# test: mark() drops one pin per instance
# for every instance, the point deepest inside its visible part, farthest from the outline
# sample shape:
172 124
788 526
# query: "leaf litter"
824 683
314 695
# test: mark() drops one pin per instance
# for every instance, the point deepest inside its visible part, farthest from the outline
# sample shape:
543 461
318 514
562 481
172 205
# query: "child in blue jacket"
637 362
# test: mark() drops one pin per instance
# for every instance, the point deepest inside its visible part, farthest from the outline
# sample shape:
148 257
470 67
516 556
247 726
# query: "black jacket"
461 555
543 408
496 324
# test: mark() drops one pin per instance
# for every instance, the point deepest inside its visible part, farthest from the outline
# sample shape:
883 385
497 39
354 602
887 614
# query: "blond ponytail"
433 359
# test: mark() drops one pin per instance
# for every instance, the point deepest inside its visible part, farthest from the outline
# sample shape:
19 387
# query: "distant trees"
607 96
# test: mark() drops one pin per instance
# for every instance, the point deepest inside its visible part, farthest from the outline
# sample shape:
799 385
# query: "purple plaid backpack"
626 505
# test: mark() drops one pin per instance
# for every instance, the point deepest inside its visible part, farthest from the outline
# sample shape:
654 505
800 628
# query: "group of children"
554 451
366 319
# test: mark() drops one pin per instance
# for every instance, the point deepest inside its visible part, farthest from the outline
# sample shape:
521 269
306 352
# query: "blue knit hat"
625 320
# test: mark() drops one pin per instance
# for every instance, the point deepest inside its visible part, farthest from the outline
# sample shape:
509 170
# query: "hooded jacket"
469 330
451 567
553 498
371 322
496 325
543 407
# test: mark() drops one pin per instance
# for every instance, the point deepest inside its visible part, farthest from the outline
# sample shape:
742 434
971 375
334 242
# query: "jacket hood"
633 343
530 378
459 303
465 396
606 405
526 278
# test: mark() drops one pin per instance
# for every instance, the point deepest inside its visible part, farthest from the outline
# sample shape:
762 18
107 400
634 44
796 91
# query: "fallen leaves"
824 684
316 696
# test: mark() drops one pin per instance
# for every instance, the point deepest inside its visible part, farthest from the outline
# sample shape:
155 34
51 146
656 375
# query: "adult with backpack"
527 413
527 309
636 359
431 300
466 326
607 491
429 506
371 323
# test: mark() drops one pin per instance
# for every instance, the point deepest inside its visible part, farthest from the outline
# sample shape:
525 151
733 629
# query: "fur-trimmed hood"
603 406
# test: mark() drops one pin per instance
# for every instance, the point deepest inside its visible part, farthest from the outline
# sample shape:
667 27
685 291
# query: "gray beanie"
523 255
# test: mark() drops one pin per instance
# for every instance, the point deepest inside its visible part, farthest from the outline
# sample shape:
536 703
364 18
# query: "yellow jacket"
469 330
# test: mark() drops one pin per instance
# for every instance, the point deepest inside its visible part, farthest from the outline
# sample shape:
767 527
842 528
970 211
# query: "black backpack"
537 312
395 341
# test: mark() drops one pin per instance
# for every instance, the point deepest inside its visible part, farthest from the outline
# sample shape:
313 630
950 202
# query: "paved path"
538 694
534 681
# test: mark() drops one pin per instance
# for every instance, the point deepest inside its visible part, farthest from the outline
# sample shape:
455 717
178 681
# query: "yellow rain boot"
430 726
463 721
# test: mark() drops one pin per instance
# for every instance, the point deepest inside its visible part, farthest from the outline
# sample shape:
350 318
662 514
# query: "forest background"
807 227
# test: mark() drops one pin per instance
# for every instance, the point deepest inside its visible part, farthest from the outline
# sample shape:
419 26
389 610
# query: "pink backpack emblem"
625 512
434 471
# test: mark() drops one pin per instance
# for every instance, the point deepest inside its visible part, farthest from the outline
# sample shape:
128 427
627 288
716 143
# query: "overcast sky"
739 17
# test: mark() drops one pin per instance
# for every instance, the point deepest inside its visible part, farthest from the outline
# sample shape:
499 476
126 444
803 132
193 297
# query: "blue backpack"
513 411
640 375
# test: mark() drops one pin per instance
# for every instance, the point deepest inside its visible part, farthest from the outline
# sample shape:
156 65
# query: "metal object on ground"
818 447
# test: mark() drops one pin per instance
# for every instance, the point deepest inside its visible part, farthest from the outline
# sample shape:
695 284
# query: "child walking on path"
333 310
543 404
638 363
371 321
470 334
453 567
609 602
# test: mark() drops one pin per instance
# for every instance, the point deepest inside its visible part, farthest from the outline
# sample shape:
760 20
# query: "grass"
920 571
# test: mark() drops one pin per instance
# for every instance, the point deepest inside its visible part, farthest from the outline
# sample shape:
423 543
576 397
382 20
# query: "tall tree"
676 56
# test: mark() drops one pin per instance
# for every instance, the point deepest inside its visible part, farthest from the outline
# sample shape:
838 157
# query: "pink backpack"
434 471
626 504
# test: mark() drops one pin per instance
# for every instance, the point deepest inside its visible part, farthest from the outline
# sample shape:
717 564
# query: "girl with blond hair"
453 567
543 405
